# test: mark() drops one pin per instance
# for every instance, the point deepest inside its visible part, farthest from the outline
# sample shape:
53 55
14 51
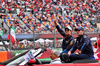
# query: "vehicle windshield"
17 61
21 60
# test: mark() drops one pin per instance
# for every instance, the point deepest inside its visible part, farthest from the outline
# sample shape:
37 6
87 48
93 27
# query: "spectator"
55 57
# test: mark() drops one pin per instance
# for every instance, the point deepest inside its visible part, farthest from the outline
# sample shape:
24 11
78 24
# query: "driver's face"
68 32
80 32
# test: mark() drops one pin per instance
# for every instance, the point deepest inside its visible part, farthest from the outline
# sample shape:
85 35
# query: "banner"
1 32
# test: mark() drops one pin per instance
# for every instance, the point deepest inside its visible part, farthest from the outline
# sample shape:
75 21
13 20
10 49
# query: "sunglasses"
78 30
67 30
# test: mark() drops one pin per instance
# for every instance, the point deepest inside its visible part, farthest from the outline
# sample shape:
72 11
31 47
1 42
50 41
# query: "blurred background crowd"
37 15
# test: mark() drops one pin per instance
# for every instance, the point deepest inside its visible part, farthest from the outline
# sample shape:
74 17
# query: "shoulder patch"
71 43
85 36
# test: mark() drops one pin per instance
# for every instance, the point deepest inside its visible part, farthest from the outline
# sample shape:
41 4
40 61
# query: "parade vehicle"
29 57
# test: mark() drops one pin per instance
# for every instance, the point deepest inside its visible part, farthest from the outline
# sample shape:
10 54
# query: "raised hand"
54 19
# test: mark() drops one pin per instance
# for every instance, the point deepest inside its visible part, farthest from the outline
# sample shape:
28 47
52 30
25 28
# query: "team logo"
85 36
71 43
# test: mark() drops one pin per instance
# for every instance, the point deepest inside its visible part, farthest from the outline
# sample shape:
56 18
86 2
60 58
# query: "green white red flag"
13 36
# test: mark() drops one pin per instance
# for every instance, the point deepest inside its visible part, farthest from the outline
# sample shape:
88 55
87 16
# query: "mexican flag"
13 37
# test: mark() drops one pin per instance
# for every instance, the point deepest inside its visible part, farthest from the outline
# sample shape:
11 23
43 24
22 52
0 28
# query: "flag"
12 33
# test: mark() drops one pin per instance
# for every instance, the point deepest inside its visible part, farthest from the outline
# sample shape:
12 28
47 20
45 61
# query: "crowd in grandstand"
37 15
76 13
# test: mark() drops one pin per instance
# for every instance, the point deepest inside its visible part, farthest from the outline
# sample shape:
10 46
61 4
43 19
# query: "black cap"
79 28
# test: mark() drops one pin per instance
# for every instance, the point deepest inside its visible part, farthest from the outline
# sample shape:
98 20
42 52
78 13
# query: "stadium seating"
37 15
74 13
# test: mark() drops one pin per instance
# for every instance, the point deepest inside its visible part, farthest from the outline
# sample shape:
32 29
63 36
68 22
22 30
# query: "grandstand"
29 15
